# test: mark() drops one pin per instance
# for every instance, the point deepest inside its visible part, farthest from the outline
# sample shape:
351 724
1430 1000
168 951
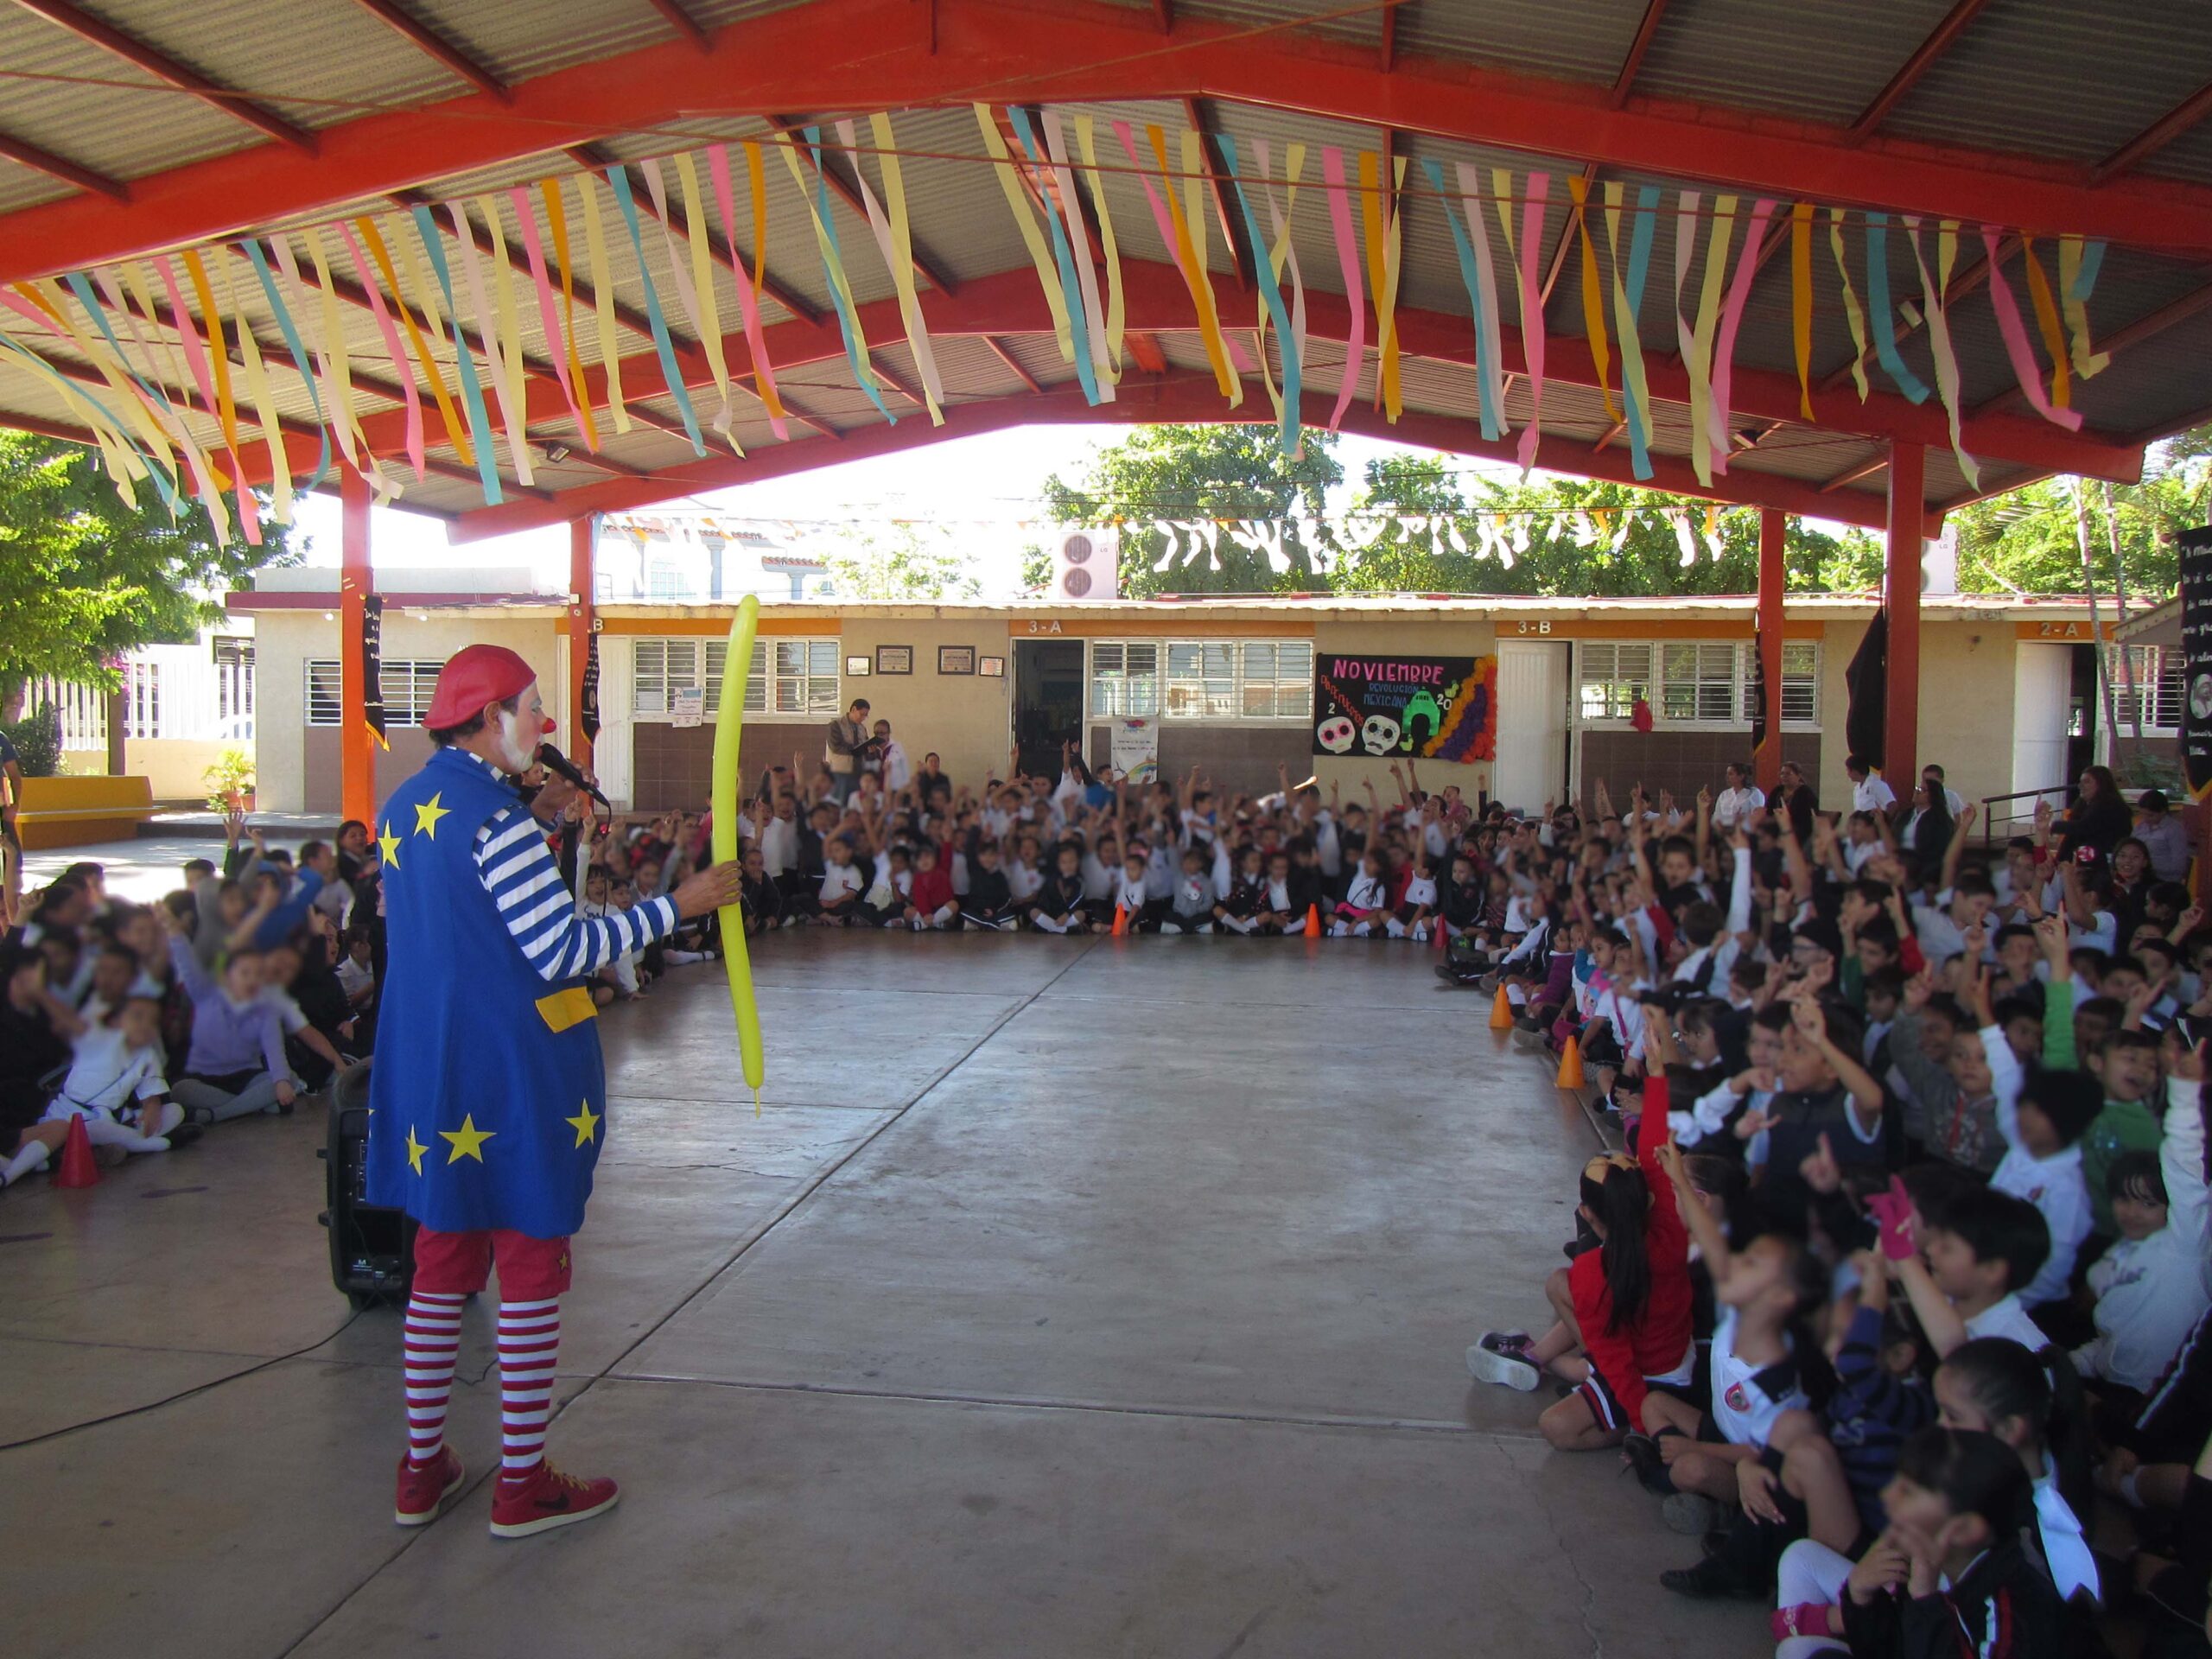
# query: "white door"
2043 677
1532 686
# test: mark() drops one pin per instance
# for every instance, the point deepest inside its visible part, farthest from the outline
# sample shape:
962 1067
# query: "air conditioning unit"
1086 565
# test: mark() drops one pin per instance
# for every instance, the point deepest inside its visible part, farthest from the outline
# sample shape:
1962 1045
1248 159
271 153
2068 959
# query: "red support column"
1766 760
1901 596
356 747
580 620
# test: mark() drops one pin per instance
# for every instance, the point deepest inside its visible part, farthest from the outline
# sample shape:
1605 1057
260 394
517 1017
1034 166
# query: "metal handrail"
1989 836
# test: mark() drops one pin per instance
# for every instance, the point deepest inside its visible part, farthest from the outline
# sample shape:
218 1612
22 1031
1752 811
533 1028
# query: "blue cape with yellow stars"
488 1096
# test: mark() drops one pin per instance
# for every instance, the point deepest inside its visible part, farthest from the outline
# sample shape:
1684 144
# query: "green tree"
85 579
2027 541
897 565
1188 478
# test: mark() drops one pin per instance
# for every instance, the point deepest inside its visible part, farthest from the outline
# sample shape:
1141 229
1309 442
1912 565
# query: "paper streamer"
894 230
1490 367
1332 179
558 340
499 329
1593 301
833 264
1800 300
145 456
602 288
618 180
729 730
1385 225
2015 335
1708 323
1071 289
265 416
748 300
123 463
160 404
2075 279
1881 315
1271 298
393 351
1852 312
1040 256
211 372
1539 188
1086 139
2046 323
1177 232
1284 251
1628 300
472 394
1103 367
457 433
700 232
1939 330
1470 279
557 225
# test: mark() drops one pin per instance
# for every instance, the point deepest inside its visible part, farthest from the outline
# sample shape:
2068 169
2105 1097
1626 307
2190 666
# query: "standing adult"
1932 775
848 734
1870 791
1798 798
489 1095
2098 818
1738 800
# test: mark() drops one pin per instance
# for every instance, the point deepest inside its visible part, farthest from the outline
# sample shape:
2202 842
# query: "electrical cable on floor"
185 1394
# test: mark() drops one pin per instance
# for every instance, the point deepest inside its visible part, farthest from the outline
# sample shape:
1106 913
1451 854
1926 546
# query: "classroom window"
1614 678
1697 682
407 686
1801 682
2149 684
1202 679
790 676
325 700
233 655
1124 678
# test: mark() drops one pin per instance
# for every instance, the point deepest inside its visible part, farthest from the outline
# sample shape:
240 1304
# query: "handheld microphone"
561 767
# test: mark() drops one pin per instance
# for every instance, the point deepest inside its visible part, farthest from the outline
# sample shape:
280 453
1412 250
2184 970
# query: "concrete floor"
1066 1299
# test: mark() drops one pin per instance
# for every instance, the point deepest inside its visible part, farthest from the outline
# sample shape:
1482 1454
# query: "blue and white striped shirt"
517 869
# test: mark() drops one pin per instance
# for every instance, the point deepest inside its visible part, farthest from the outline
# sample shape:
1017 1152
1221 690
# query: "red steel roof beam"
166 69
684 23
1852 474
1194 111
61 168
998 350
434 47
1387 44
2156 137
2145 327
1909 73
1656 10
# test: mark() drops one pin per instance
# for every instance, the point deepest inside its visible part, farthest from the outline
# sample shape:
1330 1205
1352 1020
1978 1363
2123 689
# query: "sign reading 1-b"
1422 708
2195 547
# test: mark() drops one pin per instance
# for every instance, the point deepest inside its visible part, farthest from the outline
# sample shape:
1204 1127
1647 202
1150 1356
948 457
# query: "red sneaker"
546 1498
424 1492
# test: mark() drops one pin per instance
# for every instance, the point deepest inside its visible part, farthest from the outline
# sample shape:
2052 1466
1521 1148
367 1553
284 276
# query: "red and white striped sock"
433 1337
529 1343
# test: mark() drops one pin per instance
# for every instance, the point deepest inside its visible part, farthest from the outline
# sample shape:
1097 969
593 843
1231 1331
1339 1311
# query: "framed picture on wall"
859 665
894 659
956 659
991 668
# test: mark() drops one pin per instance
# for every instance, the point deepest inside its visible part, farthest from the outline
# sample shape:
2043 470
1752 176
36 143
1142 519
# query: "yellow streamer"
1593 301
1033 238
729 728
49 298
2047 324
1939 332
757 179
2086 363
178 382
272 431
122 465
556 222
1800 300
701 233
456 430
1501 190
1193 256
1634 388
219 357
902 261
1852 312
506 364
831 263
1384 226
333 344
1704 418
1118 310
602 287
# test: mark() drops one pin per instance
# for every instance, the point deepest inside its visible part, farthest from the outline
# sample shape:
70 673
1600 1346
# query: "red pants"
458 1264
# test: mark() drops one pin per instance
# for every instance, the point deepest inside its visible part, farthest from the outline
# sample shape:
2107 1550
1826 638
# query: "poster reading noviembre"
1424 708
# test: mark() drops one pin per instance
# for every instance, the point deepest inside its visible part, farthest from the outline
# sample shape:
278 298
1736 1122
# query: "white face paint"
519 730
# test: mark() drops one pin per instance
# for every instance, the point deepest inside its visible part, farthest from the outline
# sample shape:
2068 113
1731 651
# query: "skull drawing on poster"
1335 734
1380 735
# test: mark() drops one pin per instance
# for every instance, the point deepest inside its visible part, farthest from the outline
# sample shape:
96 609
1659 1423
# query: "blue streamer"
848 325
153 469
2085 279
487 465
83 290
618 178
1491 427
1271 292
1881 318
299 355
1078 324
1639 268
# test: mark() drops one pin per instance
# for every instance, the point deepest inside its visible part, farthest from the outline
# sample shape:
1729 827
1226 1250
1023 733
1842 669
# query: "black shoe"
183 1135
1650 1468
1709 1580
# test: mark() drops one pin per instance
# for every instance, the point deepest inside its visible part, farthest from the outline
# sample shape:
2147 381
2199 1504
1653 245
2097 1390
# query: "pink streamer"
401 364
1239 358
526 216
1724 349
195 354
2015 342
1532 312
1332 174
748 302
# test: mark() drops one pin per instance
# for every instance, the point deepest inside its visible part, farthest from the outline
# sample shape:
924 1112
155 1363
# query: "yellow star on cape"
427 814
414 1150
468 1140
586 1125
388 844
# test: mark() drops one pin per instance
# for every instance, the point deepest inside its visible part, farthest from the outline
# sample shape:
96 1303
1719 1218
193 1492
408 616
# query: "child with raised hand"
1763 1290
1975 1251
1416 909
2043 1165
2127 1063
1824 1091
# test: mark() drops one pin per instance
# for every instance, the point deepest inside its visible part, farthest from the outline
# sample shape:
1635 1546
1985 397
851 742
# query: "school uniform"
989 902
1058 906
2002 1607
1748 1398
1190 906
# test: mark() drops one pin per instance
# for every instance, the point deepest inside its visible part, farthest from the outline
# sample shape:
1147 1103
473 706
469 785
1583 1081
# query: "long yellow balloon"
729 726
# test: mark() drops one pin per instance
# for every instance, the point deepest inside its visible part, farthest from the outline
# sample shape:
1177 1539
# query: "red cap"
477 675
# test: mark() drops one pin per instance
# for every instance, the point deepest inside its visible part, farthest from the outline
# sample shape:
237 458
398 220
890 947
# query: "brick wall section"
1240 759
1683 762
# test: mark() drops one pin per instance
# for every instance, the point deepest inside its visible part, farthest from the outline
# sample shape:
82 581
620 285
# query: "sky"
989 483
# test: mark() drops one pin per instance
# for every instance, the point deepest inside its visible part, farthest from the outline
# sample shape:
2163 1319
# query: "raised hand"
1819 1170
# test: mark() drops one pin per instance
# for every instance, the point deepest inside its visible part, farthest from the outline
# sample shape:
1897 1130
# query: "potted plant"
230 782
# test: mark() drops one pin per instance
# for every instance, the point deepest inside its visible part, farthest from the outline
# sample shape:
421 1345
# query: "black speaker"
372 1248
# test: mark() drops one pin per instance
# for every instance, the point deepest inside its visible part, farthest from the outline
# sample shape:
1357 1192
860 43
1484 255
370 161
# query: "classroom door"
1532 692
1047 702
2043 679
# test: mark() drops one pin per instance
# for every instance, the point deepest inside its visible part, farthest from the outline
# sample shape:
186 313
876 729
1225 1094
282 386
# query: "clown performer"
488 1095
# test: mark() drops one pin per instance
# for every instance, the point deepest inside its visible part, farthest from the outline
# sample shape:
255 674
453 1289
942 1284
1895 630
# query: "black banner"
1866 683
2196 546
1759 691
372 666
588 705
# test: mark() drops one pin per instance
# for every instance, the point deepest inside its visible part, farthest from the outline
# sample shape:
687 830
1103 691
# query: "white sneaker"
1364 930
1498 1358
1171 927
1395 928
1420 934
1341 930
1203 927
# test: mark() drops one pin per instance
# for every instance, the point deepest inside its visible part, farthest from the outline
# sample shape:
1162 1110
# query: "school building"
2010 698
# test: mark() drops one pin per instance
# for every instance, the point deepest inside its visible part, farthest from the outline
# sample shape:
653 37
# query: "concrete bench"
79 811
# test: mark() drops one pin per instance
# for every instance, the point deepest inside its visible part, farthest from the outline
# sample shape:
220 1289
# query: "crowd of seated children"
1897 1292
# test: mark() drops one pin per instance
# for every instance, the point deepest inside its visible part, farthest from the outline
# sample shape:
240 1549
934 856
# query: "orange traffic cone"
1121 921
1501 1011
1570 1066
79 1167
1312 921
1439 938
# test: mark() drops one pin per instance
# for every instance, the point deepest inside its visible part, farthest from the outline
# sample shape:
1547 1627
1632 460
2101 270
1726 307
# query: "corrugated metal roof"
1568 40
1811 60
